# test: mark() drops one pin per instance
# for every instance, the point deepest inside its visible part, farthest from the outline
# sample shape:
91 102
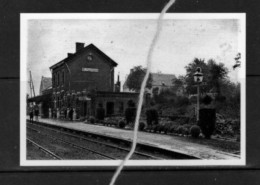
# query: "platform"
172 143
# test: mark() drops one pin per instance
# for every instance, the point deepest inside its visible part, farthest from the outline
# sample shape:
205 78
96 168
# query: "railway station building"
83 81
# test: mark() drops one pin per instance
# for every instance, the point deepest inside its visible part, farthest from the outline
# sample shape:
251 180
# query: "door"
85 108
110 108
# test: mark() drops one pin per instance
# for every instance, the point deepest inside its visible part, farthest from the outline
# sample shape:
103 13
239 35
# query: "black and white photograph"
80 84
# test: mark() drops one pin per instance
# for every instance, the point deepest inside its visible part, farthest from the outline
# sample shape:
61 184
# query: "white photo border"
25 17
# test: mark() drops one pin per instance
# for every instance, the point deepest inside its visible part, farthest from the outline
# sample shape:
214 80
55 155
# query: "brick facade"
86 70
84 80
114 103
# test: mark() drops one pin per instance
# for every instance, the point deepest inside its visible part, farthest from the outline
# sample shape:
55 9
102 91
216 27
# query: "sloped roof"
46 83
90 46
160 79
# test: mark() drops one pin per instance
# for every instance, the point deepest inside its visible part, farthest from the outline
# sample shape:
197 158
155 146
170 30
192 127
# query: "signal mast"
32 92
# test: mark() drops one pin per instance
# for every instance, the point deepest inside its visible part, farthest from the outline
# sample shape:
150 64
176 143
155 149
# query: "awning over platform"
84 98
42 98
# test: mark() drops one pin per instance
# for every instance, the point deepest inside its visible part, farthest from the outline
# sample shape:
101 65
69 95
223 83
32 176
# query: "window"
63 77
58 102
58 79
54 83
89 57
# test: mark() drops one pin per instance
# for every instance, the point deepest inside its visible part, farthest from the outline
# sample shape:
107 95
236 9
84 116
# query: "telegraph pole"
32 92
198 77
198 102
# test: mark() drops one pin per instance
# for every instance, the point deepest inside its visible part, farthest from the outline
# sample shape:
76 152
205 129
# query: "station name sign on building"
89 70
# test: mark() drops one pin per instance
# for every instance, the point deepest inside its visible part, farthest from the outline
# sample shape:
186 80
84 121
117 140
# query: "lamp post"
198 77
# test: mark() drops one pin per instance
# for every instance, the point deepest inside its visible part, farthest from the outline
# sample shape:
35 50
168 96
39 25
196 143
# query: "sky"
127 42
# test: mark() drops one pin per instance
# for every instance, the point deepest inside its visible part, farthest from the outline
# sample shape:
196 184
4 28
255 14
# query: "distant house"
46 85
160 81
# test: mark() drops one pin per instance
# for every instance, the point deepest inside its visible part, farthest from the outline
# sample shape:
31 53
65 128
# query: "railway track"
73 144
45 150
109 144
80 138
148 156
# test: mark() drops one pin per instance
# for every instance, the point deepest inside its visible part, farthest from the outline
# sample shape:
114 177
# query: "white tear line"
148 63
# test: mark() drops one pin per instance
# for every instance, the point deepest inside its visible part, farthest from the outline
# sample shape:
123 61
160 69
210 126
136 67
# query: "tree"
217 72
179 83
155 91
231 107
136 77
213 74
190 70
238 62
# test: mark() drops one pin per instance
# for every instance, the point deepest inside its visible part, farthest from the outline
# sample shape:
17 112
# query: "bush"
206 100
193 99
174 128
187 126
182 101
195 131
236 126
238 138
167 128
186 131
106 121
141 126
109 121
161 128
155 128
130 113
121 124
92 119
180 129
220 98
207 121
158 128
183 120
152 117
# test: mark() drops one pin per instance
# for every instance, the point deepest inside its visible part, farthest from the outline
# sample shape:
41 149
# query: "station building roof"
91 46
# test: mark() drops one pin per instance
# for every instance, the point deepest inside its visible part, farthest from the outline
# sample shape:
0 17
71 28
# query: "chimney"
70 54
118 84
79 46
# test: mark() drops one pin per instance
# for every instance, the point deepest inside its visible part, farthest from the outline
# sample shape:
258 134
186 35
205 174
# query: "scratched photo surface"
80 82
